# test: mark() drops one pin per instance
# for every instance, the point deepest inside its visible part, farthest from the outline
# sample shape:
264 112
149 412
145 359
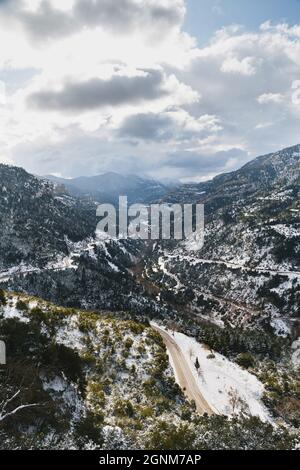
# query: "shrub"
128 343
245 360
90 427
124 408
21 305
146 412
136 328
96 397
168 436
211 356
38 314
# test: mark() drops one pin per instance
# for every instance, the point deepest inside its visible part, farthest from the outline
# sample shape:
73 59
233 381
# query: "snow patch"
223 382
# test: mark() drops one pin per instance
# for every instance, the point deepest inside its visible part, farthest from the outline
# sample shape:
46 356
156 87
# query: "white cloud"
246 66
264 125
112 97
266 98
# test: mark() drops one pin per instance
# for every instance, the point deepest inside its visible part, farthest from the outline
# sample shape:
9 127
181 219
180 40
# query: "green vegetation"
282 394
219 433
241 343
245 360
21 305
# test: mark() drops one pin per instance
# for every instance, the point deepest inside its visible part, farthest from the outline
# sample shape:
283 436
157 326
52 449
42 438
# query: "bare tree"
4 414
236 402
172 325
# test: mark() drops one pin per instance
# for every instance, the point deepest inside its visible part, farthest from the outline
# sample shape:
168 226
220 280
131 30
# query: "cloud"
97 93
246 66
147 127
48 19
2 93
81 154
236 98
270 98
98 85
174 124
191 161
47 22
128 14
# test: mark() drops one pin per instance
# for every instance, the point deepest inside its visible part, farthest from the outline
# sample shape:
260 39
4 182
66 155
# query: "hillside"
37 219
87 380
248 270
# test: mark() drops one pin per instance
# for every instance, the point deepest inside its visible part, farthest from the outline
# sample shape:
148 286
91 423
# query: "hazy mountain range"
108 187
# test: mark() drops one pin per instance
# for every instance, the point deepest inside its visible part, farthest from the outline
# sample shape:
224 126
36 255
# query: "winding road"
183 373
229 264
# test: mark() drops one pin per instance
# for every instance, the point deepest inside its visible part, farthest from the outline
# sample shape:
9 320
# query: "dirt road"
184 374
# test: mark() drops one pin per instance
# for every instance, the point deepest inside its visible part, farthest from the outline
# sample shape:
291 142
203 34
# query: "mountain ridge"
259 170
109 186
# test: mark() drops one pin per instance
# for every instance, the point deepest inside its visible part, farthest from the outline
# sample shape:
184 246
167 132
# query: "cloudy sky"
180 89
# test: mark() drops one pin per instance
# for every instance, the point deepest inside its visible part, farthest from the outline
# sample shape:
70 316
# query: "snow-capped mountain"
248 269
108 187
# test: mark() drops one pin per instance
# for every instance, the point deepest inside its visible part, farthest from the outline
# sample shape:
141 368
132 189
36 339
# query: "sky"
204 17
161 88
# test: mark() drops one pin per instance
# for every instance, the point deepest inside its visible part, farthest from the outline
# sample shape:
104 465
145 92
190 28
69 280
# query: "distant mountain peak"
109 186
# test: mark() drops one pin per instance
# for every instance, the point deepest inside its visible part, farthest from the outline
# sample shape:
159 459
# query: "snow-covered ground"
226 387
10 310
288 232
20 269
281 326
62 263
